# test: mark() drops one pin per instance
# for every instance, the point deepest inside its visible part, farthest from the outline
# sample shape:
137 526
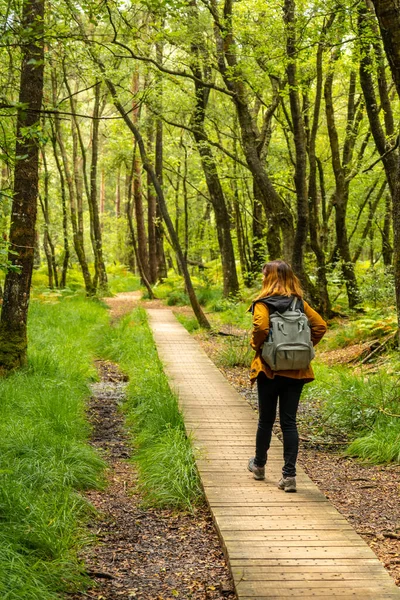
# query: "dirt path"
140 553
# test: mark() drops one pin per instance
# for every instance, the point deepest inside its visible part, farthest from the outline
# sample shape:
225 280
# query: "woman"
279 287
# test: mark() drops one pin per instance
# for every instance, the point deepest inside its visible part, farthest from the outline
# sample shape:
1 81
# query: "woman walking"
280 288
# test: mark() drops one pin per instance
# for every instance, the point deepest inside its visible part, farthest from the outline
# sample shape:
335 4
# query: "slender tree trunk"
217 197
64 270
97 241
368 226
151 209
142 273
162 270
322 300
139 215
388 14
137 189
389 160
300 176
342 185
47 241
203 322
387 248
259 247
14 314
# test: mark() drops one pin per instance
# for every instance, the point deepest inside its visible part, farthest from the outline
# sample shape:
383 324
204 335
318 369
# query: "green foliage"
168 475
380 446
44 455
164 456
121 280
365 407
236 352
377 286
190 323
375 324
177 298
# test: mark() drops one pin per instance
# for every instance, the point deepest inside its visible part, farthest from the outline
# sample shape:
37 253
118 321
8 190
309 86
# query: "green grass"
235 352
364 407
120 279
164 456
44 456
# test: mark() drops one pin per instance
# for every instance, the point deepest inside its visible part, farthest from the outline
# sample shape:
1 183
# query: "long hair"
279 280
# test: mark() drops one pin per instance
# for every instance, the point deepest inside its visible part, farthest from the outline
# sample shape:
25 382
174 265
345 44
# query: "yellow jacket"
260 333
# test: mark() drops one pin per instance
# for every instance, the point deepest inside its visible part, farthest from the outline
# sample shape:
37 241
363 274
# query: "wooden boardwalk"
278 545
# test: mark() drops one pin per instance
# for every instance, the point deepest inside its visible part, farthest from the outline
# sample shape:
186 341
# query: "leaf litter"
143 553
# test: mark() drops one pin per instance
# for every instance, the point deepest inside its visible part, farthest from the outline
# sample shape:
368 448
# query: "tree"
388 14
14 314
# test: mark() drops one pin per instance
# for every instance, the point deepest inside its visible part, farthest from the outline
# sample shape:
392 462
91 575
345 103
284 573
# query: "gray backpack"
288 346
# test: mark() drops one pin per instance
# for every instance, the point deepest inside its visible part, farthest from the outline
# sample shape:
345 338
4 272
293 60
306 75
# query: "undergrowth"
364 407
44 455
163 455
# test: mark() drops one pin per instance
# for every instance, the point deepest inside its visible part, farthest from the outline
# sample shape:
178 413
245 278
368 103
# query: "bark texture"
14 315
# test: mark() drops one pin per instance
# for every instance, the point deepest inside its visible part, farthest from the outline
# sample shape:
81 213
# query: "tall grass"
44 455
164 456
365 407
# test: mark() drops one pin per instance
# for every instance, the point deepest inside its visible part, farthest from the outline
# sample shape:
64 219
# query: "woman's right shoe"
258 472
288 484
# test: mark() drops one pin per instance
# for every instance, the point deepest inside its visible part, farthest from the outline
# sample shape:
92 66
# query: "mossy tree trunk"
13 324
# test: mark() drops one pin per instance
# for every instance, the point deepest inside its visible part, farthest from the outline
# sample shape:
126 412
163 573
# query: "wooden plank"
258 550
293 537
309 589
309 573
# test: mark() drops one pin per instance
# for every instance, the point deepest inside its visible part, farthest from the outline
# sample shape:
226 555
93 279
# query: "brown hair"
279 280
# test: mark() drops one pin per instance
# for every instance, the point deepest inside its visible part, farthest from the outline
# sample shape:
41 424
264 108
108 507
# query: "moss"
13 348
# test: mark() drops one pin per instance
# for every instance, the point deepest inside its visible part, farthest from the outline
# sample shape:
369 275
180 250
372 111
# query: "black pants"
288 391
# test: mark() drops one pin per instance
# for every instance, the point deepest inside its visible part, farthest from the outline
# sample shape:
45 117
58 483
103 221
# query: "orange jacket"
260 334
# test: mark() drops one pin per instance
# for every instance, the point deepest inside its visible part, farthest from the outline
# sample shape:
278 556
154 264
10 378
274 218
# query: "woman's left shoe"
288 484
258 472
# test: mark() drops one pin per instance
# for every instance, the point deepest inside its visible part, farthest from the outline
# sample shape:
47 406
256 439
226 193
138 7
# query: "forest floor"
152 554
143 553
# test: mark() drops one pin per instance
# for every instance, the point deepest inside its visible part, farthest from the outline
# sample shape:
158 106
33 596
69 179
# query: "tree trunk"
388 13
162 271
300 176
97 242
259 247
389 160
137 189
63 281
47 241
387 249
151 209
368 226
14 314
342 185
322 300
217 197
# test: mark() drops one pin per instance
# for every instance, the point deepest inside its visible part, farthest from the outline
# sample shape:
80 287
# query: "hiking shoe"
288 484
258 472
